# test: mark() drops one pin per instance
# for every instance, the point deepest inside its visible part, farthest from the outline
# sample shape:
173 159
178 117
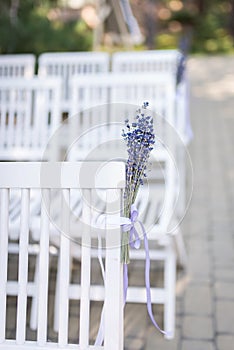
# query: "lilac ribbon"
135 242
134 239
136 245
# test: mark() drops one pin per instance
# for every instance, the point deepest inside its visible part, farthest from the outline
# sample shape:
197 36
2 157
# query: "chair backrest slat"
23 268
113 341
85 274
43 270
64 271
4 228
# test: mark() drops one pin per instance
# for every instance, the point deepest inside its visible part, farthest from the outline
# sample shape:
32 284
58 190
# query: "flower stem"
125 248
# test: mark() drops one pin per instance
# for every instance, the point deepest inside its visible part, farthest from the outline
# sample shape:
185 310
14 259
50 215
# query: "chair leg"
181 206
169 282
181 249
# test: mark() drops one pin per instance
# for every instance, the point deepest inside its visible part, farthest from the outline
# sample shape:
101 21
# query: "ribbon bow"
129 225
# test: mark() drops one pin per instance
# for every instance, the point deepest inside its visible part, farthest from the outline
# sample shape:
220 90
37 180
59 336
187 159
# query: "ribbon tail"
147 282
134 239
125 282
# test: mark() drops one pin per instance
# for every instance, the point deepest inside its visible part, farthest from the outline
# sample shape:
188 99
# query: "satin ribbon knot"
129 225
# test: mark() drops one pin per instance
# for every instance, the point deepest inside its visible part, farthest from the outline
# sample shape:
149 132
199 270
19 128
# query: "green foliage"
208 29
33 30
166 41
211 34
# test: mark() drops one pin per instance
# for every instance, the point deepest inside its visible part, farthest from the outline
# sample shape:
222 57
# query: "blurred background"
36 26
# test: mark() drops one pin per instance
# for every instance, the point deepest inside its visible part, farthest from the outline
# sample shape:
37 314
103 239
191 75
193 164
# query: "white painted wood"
172 62
114 278
17 65
68 64
170 282
10 345
113 286
64 270
30 113
146 61
62 174
156 62
157 209
23 268
3 258
42 279
101 103
85 273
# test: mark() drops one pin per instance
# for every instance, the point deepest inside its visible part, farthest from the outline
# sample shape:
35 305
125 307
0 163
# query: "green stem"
125 248
125 238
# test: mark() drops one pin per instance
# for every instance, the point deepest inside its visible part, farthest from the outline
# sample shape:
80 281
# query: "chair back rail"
17 65
146 61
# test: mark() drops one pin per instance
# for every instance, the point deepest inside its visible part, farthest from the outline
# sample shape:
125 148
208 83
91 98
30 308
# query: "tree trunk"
231 19
202 6
14 11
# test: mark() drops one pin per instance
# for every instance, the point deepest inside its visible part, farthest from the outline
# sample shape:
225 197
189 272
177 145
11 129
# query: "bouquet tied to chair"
139 138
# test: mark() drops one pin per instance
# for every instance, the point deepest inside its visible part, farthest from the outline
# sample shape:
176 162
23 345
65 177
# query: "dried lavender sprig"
139 139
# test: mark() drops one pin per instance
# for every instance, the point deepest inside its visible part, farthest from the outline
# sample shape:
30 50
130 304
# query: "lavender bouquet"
139 137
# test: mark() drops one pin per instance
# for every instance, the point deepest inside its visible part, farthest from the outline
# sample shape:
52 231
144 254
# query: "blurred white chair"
156 208
68 64
17 65
156 62
101 103
94 99
98 130
62 177
146 61
30 113
174 63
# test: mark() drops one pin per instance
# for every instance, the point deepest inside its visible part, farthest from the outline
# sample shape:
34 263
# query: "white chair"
98 132
95 103
68 64
172 62
85 179
101 103
156 206
17 65
30 113
156 62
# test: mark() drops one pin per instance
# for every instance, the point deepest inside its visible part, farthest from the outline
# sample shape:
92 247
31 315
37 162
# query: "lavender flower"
139 137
